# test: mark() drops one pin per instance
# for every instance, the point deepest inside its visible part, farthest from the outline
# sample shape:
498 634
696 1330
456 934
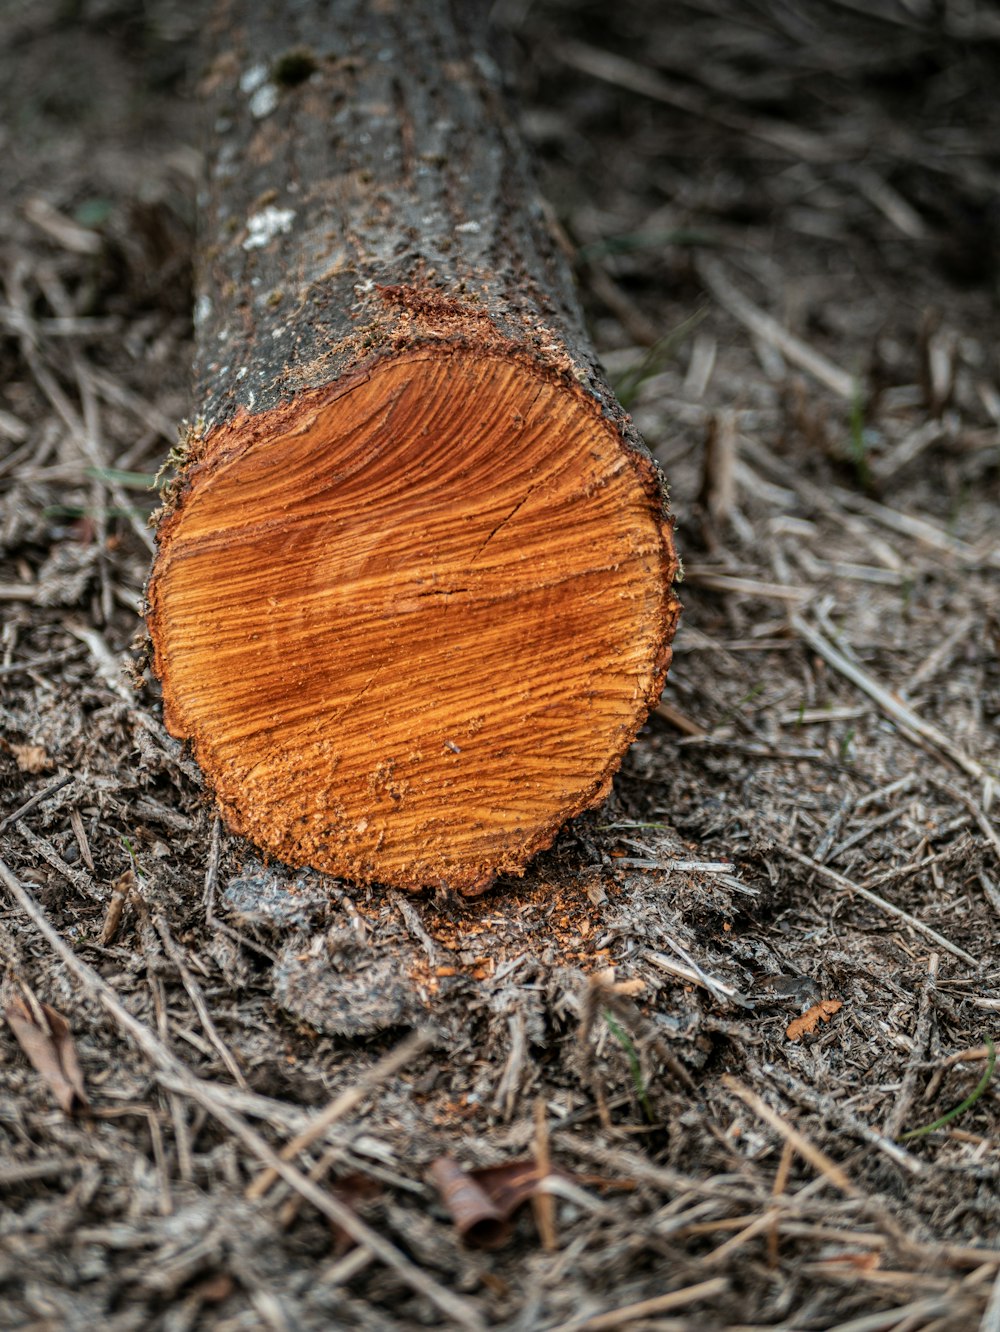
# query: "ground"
785 223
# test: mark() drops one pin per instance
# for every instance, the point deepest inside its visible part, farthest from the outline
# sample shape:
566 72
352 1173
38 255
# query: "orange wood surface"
410 624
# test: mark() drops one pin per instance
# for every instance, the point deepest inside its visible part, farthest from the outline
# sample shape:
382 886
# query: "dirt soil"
786 227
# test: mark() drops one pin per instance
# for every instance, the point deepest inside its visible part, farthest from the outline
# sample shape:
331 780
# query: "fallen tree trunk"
413 593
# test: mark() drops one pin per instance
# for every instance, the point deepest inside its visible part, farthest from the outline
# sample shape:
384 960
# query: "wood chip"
810 1020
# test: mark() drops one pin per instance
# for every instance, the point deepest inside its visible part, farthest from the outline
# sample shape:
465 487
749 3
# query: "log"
413 597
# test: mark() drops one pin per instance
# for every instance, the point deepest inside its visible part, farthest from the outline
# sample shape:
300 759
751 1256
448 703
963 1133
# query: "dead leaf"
812 1017
31 758
511 1185
481 1202
477 1218
120 893
44 1036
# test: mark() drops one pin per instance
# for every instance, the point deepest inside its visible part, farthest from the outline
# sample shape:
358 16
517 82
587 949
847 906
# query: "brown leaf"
481 1202
810 1020
120 893
44 1036
511 1185
477 1218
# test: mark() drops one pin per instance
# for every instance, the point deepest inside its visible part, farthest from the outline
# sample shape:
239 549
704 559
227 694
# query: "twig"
806 1149
543 1204
89 438
342 1269
120 396
917 529
789 754
630 1313
977 812
108 668
35 801
172 1073
36 663
110 671
764 1221
78 877
18 592
80 834
833 827
638 327
845 1120
718 477
717 581
695 974
846 885
781 1177
957 850
991 1314
62 229
678 719
198 1000
898 712
624 73
344 1102
290 1210
907 1089
991 891
212 869
766 327
935 660
890 203
83 428
864 832
884 792
891 1318
20 1172
909 447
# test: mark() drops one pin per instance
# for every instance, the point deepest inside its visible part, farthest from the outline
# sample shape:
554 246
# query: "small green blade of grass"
127 480
967 1104
630 241
628 383
635 1068
748 697
87 511
130 852
859 442
93 212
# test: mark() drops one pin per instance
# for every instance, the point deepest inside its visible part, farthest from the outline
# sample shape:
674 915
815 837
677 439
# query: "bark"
413 592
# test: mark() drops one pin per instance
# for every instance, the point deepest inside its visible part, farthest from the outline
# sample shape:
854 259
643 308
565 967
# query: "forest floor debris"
227 1090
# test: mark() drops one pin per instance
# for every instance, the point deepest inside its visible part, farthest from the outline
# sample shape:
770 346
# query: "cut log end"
411 622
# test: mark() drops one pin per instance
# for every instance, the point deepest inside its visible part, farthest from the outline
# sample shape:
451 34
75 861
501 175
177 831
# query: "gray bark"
366 191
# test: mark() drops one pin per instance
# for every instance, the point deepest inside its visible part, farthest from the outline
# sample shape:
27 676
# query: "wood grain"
413 632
